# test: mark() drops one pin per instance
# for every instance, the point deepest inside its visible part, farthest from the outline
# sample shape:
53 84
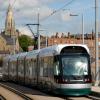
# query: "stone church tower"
10 24
10 35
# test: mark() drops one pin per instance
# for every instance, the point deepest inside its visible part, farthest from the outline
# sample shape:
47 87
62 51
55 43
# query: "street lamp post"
96 46
83 28
82 17
46 41
38 33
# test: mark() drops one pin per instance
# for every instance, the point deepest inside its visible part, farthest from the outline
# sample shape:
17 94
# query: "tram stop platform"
96 90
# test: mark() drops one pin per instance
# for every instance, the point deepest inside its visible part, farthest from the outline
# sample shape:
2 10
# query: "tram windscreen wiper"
74 77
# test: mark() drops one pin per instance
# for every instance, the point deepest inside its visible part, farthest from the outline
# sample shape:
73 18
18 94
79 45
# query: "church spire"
9 24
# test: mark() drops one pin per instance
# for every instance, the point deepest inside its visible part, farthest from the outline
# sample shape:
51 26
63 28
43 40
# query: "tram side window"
45 70
27 66
41 64
56 66
30 67
19 65
10 68
6 65
50 66
22 65
20 68
13 66
33 67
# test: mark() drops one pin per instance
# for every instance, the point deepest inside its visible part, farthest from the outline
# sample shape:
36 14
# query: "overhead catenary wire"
55 11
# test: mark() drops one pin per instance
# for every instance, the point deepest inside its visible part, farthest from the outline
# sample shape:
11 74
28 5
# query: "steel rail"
16 92
2 97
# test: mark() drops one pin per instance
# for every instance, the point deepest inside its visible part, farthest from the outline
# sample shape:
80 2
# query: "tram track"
2 97
87 97
37 95
22 95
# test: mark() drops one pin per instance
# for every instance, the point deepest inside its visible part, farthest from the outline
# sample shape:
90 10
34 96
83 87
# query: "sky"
54 15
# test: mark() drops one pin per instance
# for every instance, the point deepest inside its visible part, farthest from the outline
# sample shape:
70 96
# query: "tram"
62 69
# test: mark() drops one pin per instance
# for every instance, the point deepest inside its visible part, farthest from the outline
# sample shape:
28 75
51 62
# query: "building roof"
8 39
4 52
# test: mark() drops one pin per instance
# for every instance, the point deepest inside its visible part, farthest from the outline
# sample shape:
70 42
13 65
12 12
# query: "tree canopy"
25 41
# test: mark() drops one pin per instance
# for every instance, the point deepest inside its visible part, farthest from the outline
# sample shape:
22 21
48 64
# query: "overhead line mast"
36 37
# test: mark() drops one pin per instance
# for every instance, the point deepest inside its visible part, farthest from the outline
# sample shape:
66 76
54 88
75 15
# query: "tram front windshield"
74 65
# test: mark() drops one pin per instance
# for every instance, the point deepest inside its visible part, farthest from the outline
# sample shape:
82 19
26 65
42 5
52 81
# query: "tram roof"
32 54
56 49
13 57
22 55
7 57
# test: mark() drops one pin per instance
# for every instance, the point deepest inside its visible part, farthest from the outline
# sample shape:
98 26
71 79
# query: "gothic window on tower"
8 24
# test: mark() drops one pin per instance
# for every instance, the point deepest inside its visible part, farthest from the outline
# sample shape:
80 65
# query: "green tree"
25 41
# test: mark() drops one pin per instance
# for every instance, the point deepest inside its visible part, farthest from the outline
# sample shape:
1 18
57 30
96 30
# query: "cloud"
45 11
24 4
65 15
32 13
4 5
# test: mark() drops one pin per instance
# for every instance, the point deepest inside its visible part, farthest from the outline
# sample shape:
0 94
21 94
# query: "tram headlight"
87 80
